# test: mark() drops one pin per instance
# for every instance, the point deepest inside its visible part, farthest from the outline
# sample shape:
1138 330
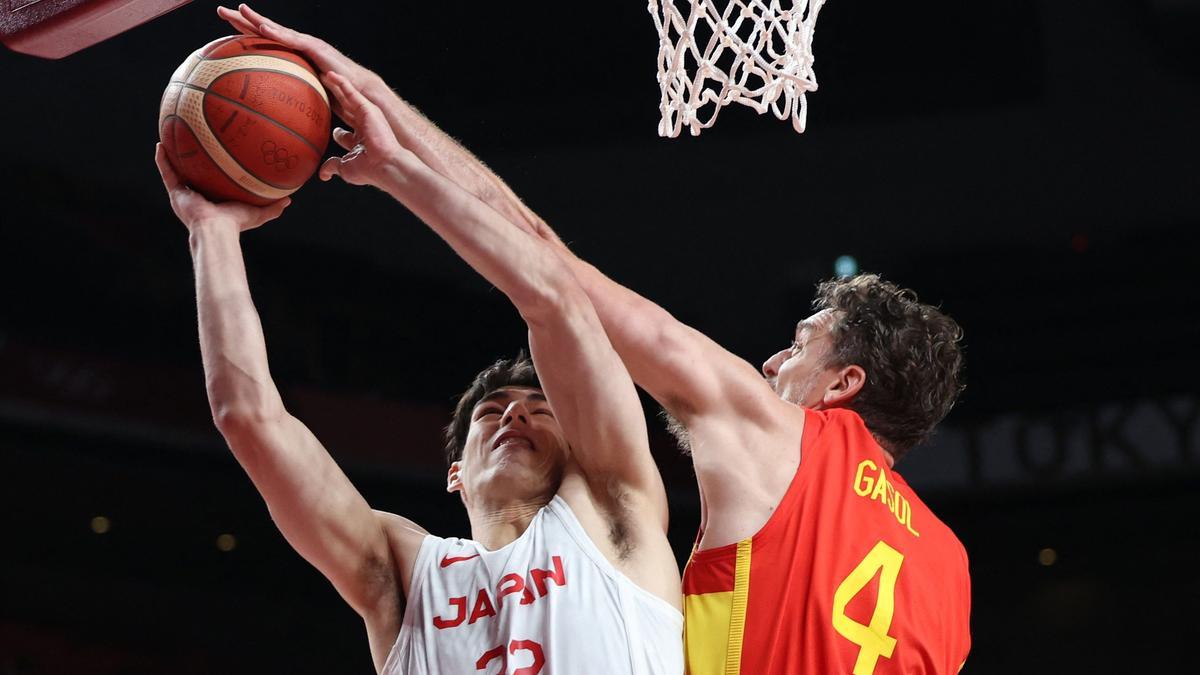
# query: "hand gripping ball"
246 119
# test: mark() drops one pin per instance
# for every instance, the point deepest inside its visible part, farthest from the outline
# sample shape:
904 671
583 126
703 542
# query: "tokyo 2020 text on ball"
246 119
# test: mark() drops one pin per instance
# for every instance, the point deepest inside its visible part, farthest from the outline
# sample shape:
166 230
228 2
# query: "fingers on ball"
237 21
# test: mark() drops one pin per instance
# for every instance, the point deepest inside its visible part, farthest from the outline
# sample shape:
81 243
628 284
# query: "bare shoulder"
404 541
729 440
404 535
744 468
389 582
400 526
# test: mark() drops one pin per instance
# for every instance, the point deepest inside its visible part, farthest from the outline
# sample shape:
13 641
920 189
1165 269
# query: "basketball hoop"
754 52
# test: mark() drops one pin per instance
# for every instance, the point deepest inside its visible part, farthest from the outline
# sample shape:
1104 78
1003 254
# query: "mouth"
512 439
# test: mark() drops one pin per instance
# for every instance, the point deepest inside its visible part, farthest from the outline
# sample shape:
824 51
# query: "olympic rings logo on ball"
277 155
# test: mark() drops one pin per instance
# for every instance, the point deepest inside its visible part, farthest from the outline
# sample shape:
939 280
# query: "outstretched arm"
618 307
320 513
589 389
415 132
686 372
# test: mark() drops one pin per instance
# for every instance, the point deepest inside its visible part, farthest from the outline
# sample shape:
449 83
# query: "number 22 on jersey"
872 639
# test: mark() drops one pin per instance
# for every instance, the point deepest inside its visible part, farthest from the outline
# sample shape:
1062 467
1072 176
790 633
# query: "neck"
887 454
498 524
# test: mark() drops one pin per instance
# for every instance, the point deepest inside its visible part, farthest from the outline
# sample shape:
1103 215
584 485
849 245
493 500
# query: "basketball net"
754 52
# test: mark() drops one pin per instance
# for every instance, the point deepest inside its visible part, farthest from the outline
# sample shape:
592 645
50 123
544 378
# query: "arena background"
1031 166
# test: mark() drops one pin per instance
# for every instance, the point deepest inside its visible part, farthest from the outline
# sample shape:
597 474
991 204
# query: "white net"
754 52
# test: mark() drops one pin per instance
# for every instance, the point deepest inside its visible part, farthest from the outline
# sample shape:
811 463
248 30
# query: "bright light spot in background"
1047 557
226 543
845 266
100 524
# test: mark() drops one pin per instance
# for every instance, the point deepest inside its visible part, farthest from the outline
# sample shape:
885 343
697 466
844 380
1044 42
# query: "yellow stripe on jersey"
716 623
707 631
737 614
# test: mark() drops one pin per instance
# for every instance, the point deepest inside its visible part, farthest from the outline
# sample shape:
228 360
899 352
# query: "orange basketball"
245 119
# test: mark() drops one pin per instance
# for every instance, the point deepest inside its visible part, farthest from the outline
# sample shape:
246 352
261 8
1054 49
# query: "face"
798 372
515 448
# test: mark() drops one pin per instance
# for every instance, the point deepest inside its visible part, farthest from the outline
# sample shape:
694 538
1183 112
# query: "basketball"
245 119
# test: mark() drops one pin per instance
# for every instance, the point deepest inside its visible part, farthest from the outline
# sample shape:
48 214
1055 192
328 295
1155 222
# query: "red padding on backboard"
53 29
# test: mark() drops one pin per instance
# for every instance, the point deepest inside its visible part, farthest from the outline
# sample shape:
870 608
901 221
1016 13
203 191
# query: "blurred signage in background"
1121 440
82 393
166 406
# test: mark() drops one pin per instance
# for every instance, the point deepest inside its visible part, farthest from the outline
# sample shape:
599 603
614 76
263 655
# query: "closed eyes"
488 412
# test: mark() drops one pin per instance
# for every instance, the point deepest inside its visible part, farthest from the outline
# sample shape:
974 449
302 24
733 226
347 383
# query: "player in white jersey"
552 600
568 570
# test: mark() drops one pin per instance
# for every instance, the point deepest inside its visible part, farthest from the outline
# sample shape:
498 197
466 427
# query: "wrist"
373 86
398 172
207 229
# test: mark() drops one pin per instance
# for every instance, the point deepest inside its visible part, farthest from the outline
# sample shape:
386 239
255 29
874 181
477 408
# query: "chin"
521 476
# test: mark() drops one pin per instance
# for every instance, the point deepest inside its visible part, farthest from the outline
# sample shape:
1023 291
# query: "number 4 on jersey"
873 640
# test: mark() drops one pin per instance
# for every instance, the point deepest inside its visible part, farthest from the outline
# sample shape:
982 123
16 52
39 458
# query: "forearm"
508 256
231 339
680 367
653 344
312 502
583 377
446 156
684 370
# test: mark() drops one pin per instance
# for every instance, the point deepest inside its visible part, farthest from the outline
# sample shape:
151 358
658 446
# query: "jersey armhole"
814 422
562 511
420 574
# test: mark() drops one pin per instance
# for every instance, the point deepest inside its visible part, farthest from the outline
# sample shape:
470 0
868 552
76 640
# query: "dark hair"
909 350
514 372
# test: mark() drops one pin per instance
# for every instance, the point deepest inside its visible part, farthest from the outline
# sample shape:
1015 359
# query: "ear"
454 477
843 389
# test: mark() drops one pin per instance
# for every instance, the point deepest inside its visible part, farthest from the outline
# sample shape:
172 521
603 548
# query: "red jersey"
851 574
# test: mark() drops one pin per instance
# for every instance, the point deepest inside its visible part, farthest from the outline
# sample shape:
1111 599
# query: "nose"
515 412
770 367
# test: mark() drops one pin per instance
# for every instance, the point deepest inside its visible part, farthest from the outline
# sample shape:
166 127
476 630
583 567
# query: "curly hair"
514 372
910 351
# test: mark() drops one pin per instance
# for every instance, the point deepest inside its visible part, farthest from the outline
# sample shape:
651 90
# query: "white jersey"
548 603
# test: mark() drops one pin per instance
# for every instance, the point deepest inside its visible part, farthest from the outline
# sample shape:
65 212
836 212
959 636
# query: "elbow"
240 420
550 295
671 339
551 305
239 403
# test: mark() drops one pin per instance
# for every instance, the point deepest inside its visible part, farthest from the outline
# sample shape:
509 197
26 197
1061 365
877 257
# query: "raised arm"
648 326
686 372
366 555
589 389
417 133
683 369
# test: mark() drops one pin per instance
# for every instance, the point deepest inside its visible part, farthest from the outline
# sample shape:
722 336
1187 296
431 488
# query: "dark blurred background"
1030 166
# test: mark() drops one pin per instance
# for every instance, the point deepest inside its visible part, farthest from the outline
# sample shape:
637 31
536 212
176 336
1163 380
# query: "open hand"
372 148
193 209
323 55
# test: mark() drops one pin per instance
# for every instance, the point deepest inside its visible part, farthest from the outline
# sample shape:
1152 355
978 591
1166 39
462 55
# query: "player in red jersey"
815 557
